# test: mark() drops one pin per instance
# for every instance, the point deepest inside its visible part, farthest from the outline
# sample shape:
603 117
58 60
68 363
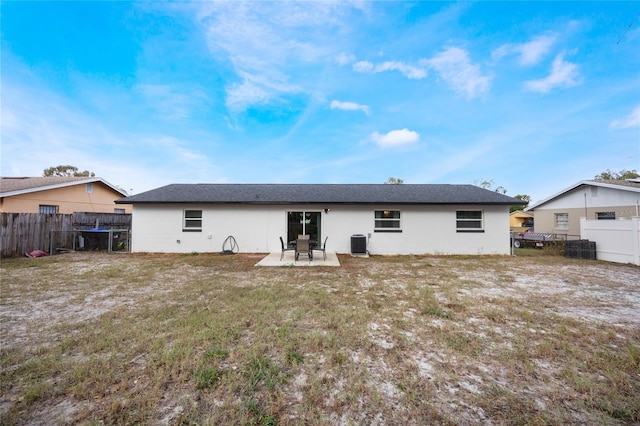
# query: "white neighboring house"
392 219
591 199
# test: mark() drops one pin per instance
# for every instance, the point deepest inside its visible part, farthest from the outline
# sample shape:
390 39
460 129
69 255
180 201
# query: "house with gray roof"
591 199
388 219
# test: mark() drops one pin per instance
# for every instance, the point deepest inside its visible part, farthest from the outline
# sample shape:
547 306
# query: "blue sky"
532 96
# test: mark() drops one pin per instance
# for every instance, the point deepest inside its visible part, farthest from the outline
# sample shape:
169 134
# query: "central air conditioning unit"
358 244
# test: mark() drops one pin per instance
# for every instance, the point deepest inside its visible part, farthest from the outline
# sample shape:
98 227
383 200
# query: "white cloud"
344 59
364 66
456 69
631 120
258 90
349 106
530 53
453 65
409 71
241 95
394 138
264 41
563 74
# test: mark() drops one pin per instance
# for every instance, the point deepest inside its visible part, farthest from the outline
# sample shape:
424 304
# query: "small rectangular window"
562 220
606 215
192 221
387 221
90 187
119 211
469 221
46 209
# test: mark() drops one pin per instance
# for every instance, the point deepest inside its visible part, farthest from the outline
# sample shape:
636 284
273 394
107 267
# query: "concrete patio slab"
273 259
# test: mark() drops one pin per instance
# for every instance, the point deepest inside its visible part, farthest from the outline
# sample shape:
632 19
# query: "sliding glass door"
304 223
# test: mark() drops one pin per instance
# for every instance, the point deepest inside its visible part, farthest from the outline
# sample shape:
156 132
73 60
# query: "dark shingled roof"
320 194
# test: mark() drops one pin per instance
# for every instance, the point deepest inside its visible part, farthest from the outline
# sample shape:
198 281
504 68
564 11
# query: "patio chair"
322 248
303 247
287 248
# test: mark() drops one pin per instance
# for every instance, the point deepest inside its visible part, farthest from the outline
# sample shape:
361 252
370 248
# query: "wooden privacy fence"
24 232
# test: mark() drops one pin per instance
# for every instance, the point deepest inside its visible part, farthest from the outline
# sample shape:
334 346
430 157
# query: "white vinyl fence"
616 240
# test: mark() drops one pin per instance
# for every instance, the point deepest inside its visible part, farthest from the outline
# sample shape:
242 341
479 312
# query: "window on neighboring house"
562 220
606 215
469 221
46 209
119 211
90 187
387 221
192 221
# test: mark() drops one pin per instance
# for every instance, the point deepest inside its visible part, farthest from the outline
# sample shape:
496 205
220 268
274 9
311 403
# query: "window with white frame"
89 187
192 221
47 209
606 215
119 211
561 220
469 221
387 221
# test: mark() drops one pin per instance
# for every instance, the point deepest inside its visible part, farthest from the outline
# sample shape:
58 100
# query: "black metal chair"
322 248
287 248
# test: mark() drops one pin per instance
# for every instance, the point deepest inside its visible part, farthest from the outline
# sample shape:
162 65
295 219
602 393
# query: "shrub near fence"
24 232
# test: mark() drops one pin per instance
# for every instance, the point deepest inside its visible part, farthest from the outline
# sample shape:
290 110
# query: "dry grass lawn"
94 338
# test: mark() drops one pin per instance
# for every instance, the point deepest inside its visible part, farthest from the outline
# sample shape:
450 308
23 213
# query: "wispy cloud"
457 70
349 106
453 65
172 102
563 74
631 120
265 41
409 71
256 89
394 138
345 59
529 53
59 131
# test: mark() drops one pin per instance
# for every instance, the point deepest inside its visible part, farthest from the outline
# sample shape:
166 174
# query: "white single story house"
590 199
390 219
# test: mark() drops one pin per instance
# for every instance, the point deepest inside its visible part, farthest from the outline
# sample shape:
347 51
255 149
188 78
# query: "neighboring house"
591 199
390 219
519 219
59 195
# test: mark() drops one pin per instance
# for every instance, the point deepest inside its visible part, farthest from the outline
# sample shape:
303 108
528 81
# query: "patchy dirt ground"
469 348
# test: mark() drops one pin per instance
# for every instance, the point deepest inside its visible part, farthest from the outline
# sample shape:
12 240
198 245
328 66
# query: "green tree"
621 175
490 185
66 170
524 197
394 181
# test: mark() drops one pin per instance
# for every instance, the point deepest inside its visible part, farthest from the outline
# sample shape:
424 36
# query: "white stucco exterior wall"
425 229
